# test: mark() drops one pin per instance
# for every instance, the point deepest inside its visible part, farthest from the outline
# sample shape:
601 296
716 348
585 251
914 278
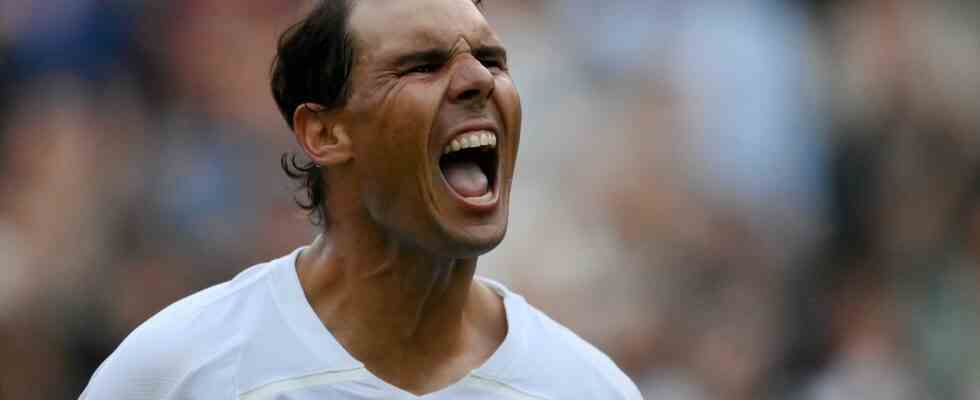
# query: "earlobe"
322 137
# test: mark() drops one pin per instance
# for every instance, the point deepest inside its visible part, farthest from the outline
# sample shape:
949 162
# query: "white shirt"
257 338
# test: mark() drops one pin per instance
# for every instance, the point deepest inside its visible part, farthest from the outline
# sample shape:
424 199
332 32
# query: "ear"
321 135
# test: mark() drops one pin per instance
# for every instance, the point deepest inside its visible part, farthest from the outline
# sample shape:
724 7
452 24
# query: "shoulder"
579 359
198 338
561 363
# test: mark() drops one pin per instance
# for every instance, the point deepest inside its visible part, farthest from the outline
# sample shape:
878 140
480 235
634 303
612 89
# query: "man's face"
435 122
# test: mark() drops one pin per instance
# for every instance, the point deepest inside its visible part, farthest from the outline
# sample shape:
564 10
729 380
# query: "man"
412 122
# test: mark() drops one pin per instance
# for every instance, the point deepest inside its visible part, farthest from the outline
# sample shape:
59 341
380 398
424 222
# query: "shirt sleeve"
132 372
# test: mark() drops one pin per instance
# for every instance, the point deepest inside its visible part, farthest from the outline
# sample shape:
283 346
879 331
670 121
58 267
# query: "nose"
471 81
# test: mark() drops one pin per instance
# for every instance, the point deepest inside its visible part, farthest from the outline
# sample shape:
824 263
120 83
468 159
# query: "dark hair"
313 63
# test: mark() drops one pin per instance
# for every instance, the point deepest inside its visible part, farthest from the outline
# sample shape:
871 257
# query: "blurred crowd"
775 199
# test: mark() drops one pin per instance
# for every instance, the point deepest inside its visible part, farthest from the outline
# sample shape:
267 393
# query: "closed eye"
492 63
424 69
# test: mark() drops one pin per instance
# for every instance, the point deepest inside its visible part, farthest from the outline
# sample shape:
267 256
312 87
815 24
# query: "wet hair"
313 63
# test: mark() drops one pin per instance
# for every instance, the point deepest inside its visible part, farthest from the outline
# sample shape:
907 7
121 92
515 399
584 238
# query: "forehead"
392 25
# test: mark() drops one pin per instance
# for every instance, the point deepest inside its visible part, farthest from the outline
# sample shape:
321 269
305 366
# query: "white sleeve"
132 373
163 360
152 363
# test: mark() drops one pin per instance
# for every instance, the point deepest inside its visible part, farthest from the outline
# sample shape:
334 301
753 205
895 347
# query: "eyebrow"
441 55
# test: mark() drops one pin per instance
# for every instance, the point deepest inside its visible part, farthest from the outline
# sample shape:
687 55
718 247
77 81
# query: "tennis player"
408 114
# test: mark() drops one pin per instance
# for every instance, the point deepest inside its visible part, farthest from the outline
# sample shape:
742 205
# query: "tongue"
466 178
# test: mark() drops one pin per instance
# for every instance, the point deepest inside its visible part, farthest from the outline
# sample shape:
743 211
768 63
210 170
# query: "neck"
385 300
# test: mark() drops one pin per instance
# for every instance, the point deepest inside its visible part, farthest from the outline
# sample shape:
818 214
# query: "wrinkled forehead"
387 26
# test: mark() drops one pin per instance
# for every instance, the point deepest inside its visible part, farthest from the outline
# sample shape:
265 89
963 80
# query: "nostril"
469 94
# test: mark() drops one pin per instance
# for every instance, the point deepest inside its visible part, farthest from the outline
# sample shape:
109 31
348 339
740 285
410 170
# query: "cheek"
376 111
394 128
407 115
509 103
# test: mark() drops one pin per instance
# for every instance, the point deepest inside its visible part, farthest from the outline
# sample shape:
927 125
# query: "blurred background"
736 199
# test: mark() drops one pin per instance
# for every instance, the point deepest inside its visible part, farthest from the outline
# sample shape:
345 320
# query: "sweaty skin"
398 113
393 280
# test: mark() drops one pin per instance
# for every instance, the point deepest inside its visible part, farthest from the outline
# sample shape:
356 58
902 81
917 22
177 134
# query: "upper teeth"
471 140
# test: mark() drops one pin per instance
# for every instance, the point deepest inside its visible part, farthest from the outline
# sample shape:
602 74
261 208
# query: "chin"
473 241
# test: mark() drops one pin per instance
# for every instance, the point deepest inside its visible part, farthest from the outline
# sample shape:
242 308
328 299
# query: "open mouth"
469 166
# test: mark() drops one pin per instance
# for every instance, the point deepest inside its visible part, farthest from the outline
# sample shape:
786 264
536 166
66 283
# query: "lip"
471 204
